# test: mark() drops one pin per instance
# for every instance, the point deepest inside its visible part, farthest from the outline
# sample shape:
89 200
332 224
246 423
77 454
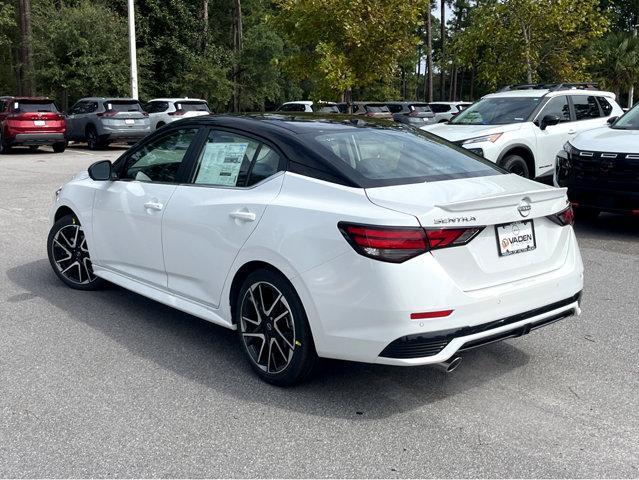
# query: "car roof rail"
552 87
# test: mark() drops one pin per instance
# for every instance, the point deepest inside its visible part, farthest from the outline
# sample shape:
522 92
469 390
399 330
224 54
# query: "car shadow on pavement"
608 227
210 355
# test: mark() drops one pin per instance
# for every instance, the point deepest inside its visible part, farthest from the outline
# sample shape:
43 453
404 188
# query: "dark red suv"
31 121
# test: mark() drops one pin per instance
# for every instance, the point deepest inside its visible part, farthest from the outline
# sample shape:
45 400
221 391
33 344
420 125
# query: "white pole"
631 92
133 51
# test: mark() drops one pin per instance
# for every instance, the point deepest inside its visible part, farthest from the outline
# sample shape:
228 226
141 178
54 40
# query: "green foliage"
616 64
512 41
348 43
72 55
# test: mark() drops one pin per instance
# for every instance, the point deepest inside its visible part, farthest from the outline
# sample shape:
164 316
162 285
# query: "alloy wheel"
71 255
267 327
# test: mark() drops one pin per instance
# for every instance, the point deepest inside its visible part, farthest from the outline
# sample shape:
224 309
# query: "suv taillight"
398 244
177 113
563 218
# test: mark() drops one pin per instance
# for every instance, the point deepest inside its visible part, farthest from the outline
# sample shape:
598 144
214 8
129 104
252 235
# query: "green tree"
73 58
617 61
343 44
530 40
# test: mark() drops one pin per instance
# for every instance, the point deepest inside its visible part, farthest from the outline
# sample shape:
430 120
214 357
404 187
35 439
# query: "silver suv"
100 121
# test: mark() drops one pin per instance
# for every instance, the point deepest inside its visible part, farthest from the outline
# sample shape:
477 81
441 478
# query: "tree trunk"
429 56
419 71
442 74
472 84
461 86
205 26
403 83
27 86
237 49
450 88
526 36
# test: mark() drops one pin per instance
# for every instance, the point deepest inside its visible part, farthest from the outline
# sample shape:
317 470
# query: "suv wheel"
93 141
273 329
59 147
517 165
69 255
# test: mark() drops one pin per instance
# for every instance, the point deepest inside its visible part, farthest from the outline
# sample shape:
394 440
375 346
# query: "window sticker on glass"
220 164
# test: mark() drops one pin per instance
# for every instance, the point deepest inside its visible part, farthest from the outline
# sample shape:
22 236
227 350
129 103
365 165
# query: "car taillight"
177 113
563 218
398 244
108 113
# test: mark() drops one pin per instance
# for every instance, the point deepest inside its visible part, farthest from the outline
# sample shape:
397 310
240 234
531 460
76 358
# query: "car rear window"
192 106
123 106
156 107
439 108
323 108
21 106
420 107
393 156
376 108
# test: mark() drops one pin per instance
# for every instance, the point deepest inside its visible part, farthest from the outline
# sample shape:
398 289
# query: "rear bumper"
359 308
37 138
122 134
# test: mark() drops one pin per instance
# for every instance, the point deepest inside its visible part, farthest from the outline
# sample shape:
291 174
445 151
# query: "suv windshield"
123 106
630 121
498 111
22 106
191 106
394 156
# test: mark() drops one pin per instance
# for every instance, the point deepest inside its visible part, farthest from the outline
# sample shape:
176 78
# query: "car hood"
608 139
454 132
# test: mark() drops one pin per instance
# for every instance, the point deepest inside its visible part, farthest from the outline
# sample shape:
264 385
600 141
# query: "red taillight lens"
177 113
563 218
398 244
451 237
389 244
108 113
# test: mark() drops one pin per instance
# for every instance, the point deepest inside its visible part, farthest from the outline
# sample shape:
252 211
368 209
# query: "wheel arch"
523 151
63 211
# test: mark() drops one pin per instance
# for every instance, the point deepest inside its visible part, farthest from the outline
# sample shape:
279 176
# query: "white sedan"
316 238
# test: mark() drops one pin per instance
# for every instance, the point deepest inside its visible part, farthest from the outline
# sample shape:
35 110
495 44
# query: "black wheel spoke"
71 255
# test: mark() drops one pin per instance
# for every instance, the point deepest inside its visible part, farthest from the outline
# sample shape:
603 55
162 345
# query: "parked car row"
416 114
98 121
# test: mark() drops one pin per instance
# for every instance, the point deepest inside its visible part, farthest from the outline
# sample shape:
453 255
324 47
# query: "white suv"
166 110
522 127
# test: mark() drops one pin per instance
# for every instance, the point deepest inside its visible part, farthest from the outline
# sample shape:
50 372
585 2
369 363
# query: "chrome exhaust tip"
449 365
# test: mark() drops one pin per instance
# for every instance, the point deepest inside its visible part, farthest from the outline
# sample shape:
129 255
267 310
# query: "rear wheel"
517 165
69 255
34 148
4 148
160 125
59 147
274 330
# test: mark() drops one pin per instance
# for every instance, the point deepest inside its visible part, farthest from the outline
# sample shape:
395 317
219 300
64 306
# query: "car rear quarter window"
393 156
585 107
606 108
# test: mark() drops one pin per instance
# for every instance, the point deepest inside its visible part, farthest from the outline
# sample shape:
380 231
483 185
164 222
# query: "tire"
59 147
93 140
69 256
159 125
587 213
517 165
4 148
283 327
34 148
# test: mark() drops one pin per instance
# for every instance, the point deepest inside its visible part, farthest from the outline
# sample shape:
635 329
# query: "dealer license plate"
39 123
129 121
516 237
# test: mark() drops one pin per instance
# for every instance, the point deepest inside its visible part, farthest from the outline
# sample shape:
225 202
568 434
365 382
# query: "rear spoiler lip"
510 199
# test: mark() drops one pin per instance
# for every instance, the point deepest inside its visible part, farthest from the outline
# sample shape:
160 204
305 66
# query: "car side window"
77 109
160 160
394 108
606 108
557 107
91 107
585 107
267 163
233 160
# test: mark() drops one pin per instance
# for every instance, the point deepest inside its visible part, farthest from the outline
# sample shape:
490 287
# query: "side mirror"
101 171
548 121
612 120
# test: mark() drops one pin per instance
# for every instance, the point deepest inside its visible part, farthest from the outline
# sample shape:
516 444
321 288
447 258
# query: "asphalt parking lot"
109 383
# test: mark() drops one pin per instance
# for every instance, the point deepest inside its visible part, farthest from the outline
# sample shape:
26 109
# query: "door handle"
243 215
153 206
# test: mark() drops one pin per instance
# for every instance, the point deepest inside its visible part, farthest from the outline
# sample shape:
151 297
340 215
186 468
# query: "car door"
74 119
587 113
127 213
234 178
551 139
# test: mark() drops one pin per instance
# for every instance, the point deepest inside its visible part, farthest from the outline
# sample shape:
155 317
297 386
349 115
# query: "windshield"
27 106
393 156
192 106
123 106
630 121
498 111
376 108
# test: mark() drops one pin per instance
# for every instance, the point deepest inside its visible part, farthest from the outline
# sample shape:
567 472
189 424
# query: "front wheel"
517 165
274 330
69 255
